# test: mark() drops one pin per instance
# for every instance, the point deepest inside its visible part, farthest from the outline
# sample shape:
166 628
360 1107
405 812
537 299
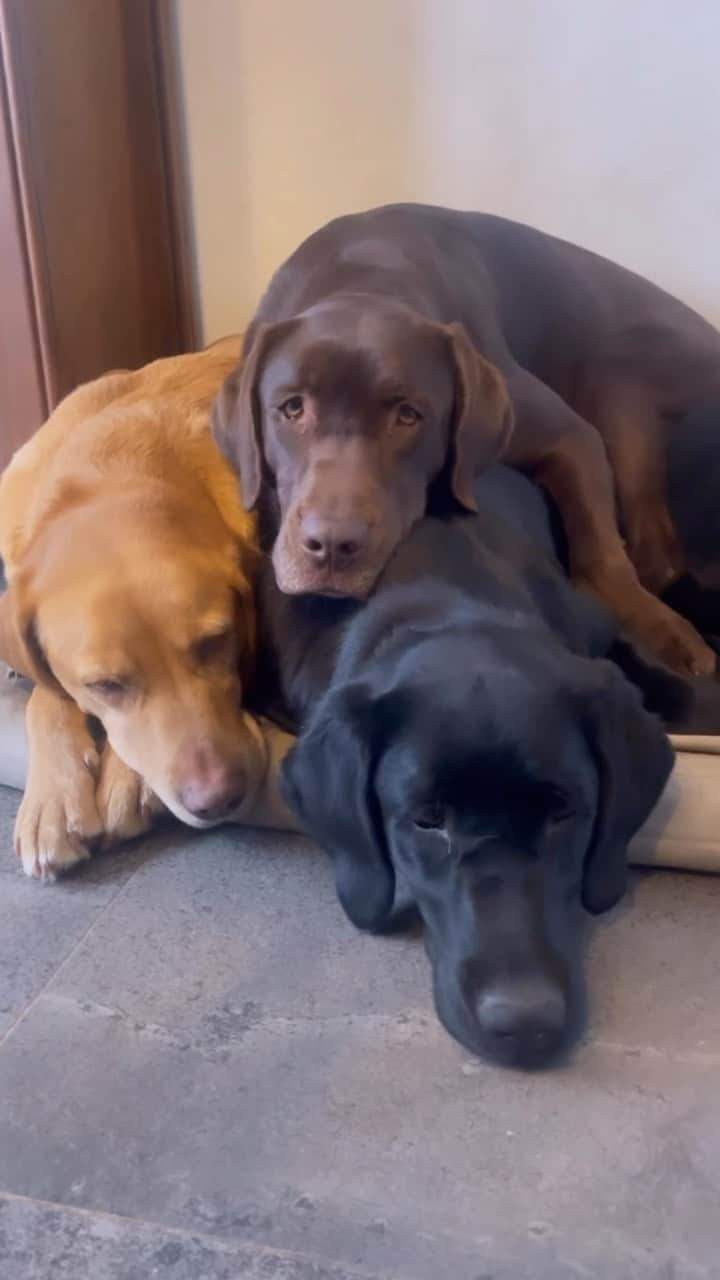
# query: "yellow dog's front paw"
58 822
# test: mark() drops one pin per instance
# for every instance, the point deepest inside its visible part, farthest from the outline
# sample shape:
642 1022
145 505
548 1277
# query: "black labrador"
468 729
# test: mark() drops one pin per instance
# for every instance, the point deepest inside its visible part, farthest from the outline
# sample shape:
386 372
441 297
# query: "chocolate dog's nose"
333 542
525 1024
214 792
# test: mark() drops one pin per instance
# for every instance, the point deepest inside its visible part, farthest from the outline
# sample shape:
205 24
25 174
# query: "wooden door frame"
97 241
21 377
169 73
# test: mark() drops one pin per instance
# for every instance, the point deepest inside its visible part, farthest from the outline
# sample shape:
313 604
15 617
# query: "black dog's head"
503 777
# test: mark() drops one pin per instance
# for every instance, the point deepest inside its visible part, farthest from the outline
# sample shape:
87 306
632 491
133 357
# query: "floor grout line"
224 1243
697 1058
411 1020
66 959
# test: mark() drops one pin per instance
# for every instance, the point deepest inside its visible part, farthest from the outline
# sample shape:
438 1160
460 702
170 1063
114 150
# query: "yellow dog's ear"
20 647
13 651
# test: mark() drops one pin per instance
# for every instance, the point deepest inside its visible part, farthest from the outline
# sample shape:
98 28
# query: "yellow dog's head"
133 596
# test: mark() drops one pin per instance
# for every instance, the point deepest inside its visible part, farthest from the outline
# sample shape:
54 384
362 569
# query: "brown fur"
597 364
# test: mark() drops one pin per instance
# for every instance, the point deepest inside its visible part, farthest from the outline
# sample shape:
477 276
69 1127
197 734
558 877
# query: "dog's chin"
190 820
459 1023
184 815
241 815
294 579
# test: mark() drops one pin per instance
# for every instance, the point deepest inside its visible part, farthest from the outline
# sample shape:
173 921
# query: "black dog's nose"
333 542
524 1024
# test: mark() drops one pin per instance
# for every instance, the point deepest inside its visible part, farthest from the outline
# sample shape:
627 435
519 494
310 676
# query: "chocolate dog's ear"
236 414
328 780
482 417
20 647
634 760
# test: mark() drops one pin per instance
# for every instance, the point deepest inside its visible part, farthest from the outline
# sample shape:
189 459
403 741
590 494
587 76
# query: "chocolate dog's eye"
292 408
407 415
430 816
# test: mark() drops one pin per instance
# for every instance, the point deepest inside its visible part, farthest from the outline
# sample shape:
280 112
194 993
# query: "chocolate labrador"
388 361
466 730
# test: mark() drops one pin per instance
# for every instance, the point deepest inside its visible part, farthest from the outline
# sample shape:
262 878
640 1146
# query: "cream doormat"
683 830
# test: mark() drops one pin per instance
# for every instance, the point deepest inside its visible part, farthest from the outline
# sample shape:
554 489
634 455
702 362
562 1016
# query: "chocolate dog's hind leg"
629 420
694 487
567 456
693 472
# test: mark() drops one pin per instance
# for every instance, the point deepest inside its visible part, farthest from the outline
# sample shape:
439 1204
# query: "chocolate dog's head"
351 410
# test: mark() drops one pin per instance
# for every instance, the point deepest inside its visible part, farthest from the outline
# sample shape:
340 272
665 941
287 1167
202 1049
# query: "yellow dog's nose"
212 788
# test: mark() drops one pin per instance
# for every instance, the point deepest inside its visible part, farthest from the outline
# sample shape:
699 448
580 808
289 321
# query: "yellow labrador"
129 560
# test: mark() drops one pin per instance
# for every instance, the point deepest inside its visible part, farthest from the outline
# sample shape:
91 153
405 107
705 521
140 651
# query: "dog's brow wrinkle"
393 389
213 625
338 372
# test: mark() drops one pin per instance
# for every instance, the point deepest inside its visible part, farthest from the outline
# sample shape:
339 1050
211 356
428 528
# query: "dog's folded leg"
265 806
126 805
58 821
628 418
566 455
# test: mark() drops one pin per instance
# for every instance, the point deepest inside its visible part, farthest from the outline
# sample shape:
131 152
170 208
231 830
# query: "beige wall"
598 120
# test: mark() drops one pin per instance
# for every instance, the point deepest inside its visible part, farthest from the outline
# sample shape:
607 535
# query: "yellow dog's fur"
129 562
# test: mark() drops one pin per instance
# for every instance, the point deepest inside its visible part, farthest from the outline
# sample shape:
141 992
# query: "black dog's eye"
560 812
430 816
292 408
407 415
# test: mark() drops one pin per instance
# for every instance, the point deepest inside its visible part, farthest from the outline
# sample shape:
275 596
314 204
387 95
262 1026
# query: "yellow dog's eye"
292 409
214 647
111 690
407 415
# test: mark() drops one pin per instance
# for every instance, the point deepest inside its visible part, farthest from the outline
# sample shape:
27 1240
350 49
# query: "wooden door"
95 259
23 403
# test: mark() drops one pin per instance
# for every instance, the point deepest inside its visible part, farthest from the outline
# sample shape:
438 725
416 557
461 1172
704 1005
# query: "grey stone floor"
205 1074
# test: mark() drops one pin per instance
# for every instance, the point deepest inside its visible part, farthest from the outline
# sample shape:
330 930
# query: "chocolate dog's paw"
675 642
700 605
126 804
58 822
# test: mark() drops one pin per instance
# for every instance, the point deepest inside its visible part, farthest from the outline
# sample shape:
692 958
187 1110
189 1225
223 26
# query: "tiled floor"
206 1074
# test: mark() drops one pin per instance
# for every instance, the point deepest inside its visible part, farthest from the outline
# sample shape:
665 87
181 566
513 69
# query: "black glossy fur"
466 729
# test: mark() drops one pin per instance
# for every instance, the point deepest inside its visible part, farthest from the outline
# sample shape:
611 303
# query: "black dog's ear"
328 780
685 704
634 760
483 416
236 415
